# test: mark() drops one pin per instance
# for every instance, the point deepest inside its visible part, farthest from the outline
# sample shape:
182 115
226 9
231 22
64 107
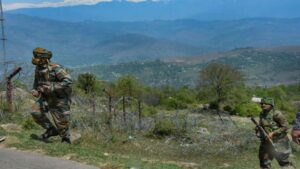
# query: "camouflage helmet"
41 56
42 53
269 101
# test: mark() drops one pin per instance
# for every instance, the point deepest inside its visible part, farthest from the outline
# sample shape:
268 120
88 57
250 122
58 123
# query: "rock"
11 127
130 137
133 168
168 140
206 106
68 156
2 138
75 137
203 131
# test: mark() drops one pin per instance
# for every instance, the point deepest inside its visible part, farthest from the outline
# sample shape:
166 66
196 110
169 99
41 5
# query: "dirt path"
13 159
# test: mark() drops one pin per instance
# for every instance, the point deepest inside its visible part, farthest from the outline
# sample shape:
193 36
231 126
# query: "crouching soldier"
52 87
296 129
276 126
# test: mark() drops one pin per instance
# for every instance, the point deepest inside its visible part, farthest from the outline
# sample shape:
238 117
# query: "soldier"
296 129
277 127
52 87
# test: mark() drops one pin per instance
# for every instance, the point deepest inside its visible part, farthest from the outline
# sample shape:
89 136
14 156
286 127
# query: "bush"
29 124
3 106
214 105
228 108
167 127
149 110
247 110
172 103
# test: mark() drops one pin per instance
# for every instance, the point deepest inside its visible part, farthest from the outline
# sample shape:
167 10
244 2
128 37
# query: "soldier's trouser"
60 115
267 153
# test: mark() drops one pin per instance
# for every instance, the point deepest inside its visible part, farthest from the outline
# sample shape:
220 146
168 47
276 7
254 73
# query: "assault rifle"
263 133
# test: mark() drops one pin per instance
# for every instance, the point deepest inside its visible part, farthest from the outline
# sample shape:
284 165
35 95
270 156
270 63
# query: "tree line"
220 86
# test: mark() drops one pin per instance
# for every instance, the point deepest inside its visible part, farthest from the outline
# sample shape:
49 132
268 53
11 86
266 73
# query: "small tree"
110 92
219 80
87 82
127 86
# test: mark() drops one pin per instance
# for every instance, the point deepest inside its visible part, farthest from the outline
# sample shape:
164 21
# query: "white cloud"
12 6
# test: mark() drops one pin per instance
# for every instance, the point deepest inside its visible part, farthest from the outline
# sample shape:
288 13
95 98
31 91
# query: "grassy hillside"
179 139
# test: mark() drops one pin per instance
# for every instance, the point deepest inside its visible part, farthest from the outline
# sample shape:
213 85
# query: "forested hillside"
260 66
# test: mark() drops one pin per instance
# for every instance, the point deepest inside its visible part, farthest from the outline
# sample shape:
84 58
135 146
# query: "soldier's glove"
53 86
35 93
45 89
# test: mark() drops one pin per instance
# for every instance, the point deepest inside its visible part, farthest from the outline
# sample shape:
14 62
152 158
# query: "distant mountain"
87 43
207 10
263 67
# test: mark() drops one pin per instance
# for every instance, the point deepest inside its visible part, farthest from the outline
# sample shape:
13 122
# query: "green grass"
142 153
88 151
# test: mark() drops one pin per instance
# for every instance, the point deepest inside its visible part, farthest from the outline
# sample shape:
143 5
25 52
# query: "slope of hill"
261 67
88 43
84 43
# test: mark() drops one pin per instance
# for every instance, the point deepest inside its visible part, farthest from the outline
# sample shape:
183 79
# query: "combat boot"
49 133
66 140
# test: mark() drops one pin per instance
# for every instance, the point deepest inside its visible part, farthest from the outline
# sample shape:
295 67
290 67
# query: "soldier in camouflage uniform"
277 126
52 87
296 129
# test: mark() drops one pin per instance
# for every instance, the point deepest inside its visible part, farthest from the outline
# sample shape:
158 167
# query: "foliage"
247 110
219 80
149 111
172 103
20 84
167 127
128 85
3 105
283 101
88 83
29 124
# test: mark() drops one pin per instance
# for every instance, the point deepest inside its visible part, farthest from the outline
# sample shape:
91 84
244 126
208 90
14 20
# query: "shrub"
172 103
214 105
228 108
247 109
29 124
149 110
166 127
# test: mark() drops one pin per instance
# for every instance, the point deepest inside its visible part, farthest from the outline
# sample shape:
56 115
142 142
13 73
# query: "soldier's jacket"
59 81
275 122
296 125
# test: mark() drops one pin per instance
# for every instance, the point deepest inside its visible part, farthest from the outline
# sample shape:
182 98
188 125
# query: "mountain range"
86 43
208 10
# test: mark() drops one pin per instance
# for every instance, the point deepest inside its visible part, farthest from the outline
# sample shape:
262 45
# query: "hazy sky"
16 4
279 4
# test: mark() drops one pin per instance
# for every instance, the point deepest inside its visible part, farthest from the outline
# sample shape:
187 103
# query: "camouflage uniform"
55 102
296 125
275 122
